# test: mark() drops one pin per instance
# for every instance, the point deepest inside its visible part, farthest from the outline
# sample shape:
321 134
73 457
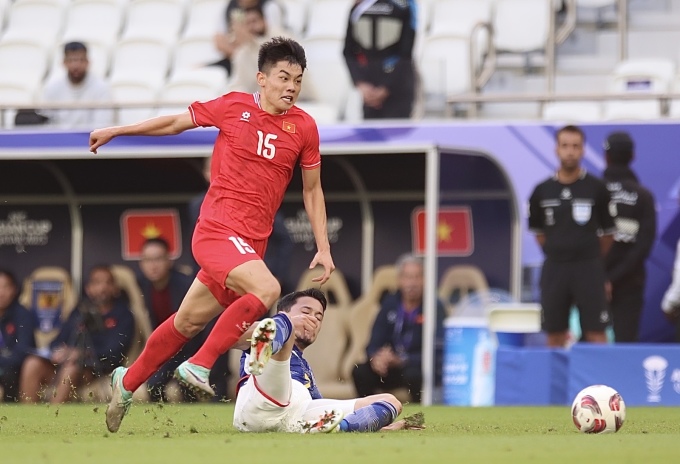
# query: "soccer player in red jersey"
261 138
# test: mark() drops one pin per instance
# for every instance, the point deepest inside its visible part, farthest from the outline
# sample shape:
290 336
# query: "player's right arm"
160 125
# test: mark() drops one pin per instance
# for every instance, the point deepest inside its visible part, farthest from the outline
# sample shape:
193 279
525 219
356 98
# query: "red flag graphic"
454 231
139 225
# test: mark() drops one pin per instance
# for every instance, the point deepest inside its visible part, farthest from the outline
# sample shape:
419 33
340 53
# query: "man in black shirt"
379 55
569 213
635 218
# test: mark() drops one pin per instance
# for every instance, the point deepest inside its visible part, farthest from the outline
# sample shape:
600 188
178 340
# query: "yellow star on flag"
151 231
444 231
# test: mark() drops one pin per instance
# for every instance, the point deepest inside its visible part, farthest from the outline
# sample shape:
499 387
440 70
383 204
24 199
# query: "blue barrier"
644 374
531 376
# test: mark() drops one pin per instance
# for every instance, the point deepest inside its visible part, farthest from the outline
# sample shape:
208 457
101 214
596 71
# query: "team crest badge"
581 212
289 127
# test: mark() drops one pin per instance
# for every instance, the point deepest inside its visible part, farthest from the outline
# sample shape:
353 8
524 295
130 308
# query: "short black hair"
280 49
10 276
573 129
157 241
619 147
289 300
74 47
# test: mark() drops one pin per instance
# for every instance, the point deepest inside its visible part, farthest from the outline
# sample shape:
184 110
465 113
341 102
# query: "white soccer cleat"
261 345
196 378
327 422
121 400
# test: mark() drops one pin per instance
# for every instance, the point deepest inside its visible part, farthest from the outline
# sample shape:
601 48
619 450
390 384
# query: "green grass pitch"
202 433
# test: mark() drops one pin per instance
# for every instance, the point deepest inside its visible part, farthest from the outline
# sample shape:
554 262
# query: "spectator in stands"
91 343
635 219
238 28
163 288
77 85
379 55
16 336
671 299
395 348
569 213
250 32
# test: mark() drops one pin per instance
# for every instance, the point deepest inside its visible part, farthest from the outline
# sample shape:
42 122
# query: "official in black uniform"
635 217
379 54
569 213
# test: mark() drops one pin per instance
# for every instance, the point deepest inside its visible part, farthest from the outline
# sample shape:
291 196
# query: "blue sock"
370 418
283 330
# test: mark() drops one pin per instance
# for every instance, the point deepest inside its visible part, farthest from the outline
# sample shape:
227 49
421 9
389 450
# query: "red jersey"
253 159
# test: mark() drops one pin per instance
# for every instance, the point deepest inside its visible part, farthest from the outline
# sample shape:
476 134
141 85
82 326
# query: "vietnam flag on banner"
454 231
139 225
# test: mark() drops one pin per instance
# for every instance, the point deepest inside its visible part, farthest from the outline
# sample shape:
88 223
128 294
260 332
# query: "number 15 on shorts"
241 245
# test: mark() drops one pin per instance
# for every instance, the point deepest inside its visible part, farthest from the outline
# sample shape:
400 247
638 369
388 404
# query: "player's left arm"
605 219
315 205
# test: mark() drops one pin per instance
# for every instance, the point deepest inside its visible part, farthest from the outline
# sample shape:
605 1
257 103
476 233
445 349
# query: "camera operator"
91 343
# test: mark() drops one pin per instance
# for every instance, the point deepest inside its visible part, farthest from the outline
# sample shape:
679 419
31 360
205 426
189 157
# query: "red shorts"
218 250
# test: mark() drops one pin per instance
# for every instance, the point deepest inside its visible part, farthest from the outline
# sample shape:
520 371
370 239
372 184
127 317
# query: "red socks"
163 344
228 329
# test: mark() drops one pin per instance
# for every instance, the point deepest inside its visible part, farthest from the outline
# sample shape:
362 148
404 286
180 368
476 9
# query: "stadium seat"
204 18
295 15
444 68
328 18
14 93
632 110
168 17
568 111
326 69
141 60
458 18
327 354
643 75
184 88
194 52
457 283
521 26
38 21
48 291
23 61
133 91
363 314
93 21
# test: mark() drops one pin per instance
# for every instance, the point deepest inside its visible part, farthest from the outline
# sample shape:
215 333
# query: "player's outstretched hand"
100 137
324 259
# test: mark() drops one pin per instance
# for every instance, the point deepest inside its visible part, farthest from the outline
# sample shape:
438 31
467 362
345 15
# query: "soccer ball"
598 409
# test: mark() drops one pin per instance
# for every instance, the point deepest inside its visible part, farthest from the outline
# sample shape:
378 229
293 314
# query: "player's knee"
268 291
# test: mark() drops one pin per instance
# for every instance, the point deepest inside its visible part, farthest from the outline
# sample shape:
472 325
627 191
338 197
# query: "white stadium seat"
295 15
572 111
521 25
327 80
204 17
89 20
187 87
445 67
154 19
458 17
143 60
22 61
643 75
193 52
38 21
328 18
131 91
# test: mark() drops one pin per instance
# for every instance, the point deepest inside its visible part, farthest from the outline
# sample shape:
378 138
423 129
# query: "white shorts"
257 411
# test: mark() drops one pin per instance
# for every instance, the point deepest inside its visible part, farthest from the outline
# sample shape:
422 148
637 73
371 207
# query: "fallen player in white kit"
277 391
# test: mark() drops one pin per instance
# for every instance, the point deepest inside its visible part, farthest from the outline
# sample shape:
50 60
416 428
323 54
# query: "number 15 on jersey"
265 147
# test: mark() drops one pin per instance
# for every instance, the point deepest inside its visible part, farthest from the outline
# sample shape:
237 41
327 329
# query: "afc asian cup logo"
655 373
